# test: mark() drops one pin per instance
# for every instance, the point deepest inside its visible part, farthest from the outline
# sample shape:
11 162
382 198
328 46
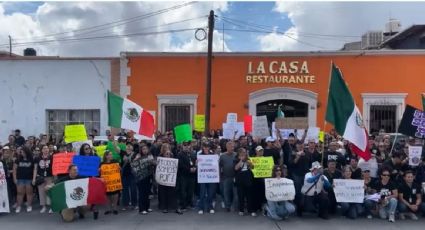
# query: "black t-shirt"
25 169
384 190
44 166
331 176
336 156
273 153
244 175
356 174
409 193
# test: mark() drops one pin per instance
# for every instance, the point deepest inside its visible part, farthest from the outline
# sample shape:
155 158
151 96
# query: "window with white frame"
57 119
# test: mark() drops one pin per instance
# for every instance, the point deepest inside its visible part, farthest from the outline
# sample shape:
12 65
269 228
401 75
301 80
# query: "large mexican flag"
126 114
343 113
79 192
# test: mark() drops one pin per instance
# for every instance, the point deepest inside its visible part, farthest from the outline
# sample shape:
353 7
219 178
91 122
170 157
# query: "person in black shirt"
386 188
332 154
129 187
332 173
44 170
244 179
19 140
186 176
396 167
409 195
24 174
299 165
272 151
356 172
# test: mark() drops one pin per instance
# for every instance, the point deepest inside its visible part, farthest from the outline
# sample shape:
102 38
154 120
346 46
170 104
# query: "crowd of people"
393 189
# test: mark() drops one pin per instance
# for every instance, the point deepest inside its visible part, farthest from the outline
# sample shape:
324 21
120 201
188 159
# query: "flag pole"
392 147
324 125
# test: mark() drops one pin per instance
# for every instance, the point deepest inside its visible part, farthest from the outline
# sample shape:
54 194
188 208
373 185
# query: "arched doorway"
295 102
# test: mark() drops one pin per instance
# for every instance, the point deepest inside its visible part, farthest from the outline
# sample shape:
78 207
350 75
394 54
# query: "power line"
118 22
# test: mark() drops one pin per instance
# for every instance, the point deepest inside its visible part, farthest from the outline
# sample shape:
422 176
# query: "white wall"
29 87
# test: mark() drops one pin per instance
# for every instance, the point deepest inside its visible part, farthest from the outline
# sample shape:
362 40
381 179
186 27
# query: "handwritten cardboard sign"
349 191
279 189
263 166
166 171
208 171
61 162
111 174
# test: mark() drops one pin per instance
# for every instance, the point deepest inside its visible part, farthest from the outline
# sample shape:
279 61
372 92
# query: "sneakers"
143 213
223 205
369 217
392 218
253 214
18 209
241 213
200 212
413 216
402 216
29 209
212 211
43 210
50 211
149 210
382 214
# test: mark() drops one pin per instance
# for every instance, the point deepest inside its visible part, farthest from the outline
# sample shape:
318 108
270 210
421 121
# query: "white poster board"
349 191
284 133
279 189
4 198
232 118
312 133
166 171
208 171
229 130
415 154
260 127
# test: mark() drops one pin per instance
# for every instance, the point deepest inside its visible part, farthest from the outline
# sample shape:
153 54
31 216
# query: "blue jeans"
206 196
129 190
227 191
279 210
369 205
388 209
351 210
402 208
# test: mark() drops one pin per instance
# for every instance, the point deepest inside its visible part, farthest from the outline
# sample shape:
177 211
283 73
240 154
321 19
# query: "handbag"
39 180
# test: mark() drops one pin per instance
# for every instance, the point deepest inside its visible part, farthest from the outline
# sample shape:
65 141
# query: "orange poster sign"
110 173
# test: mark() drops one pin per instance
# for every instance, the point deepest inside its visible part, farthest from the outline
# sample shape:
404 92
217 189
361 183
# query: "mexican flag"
280 113
79 192
423 101
343 113
126 114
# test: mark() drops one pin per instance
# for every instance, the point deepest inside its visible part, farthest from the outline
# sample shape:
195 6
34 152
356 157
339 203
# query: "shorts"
24 182
113 193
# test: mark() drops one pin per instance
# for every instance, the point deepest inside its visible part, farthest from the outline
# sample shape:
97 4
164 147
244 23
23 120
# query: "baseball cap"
6 147
259 148
270 139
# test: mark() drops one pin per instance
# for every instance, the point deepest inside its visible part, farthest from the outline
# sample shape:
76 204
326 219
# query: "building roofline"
279 54
399 34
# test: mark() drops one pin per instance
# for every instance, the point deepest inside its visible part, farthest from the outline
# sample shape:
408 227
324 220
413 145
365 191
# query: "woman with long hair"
44 170
112 195
244 181
24 174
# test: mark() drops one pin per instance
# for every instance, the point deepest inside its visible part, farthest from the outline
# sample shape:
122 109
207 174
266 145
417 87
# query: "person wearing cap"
258 186
227 175
314 196
207 191
332 154
186 176
272 151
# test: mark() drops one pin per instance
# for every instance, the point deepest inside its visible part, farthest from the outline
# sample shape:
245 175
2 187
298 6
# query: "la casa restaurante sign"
279 72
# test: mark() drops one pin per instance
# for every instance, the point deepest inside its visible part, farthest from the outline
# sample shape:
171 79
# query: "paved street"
191 220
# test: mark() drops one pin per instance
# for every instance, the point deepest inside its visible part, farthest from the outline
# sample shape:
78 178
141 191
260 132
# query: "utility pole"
10 46
209 69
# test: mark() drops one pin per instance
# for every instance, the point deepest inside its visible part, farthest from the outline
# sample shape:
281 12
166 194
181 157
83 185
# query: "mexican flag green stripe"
114 109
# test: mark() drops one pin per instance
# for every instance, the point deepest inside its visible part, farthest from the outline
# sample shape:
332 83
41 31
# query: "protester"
315 197
258 186
24 174
44 177
144 162
8 163
19 140
86 150
368 182
244 180
206 190
272 151
332 173
350 210
113 195
227 175
167 195
387 190
129 186
356 172
409 196
279 210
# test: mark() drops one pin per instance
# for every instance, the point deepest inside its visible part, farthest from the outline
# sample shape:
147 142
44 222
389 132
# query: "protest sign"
141 168
4 198
100 150
199 123
101 138
247 123
312 134
229 130
284 133
87 165
263 166
279 189
77 145
413 122
166 171
61 162
260 127
415 153
232 118
279 123
208 171
349 191
322 136
183 133
111 174
75 133
292 123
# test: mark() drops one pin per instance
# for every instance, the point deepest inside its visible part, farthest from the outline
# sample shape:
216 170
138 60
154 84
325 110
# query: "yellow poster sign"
263 166
100 150
110 173
74 133
322 136
199 122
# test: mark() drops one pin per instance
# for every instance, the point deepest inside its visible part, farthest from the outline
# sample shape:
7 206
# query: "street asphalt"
191 220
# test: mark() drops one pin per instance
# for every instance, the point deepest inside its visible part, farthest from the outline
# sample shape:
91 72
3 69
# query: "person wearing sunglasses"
279 210
387 190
